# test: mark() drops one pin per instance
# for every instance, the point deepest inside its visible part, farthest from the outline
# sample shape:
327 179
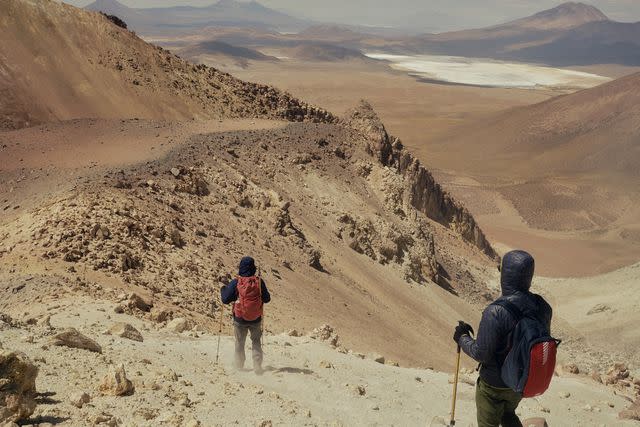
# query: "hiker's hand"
462 329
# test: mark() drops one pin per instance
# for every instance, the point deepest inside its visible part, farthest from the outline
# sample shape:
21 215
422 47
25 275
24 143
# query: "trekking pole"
219 332
455 391
261 321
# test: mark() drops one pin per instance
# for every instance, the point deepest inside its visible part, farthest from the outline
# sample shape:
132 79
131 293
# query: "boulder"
617 373
179 324
17 386
326 364
116 383
325 333
136 301
125 330
70 337
176 238
161 314
631 413
378 358
79 398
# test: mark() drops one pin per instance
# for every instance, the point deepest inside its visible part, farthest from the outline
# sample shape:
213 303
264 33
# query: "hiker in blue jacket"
249 293
496 403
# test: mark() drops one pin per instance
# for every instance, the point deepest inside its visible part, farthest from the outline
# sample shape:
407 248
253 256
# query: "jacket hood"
247 267
516 272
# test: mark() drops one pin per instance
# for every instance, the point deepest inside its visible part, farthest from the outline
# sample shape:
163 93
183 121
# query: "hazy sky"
427 15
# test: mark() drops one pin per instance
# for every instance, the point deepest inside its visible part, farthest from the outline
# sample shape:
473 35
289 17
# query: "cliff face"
427 196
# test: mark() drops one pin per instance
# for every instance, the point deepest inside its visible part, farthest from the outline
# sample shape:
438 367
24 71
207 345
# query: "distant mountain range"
569 34
188 18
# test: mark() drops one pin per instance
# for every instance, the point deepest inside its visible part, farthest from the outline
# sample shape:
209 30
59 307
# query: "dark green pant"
496 406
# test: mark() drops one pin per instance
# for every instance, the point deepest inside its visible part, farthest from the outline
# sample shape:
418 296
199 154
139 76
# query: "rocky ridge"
309 201
426 195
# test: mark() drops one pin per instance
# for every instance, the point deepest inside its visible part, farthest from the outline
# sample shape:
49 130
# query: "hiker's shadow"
289 370
44 419
46 398
282 370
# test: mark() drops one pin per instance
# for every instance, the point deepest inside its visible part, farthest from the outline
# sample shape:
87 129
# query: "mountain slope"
564 16
109 72
570 34
594 130
346 225
214 47
189 18
605 42
567 164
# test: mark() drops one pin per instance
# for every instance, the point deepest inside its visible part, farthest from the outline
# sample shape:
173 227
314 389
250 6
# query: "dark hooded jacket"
491 345
229 293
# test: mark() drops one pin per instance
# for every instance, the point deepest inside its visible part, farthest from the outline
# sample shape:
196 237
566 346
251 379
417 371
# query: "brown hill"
331 33
570 34
566 15
606 42
222 55
593 130
180 19
214 47
88 67
324 52
563 17
569 163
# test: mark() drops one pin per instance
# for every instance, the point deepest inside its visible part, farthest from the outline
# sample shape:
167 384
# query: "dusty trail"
306 381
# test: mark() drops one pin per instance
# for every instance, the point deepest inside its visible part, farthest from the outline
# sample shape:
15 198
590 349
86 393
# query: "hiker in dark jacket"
248 293
496 403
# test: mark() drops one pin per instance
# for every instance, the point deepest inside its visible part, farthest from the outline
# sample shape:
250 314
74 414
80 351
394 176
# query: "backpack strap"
510 307
515 311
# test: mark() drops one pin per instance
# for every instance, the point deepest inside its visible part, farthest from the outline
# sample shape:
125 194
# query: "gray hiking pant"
255 330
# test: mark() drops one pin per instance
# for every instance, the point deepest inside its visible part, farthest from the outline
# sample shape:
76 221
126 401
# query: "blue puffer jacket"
229 293
490 347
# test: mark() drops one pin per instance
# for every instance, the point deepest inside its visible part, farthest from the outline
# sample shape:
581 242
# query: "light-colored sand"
604 309
306 382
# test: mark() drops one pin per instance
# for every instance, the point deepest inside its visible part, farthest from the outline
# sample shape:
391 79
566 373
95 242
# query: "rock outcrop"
411 247
125 330
326 333
426 195
632 412
116 383
72 338
178 325
17 386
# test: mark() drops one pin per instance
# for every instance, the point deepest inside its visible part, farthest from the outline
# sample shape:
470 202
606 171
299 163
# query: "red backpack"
249 303
531 360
